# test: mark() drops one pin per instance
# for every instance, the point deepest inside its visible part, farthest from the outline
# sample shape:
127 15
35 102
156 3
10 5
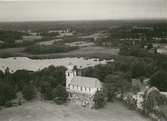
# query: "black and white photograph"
83 60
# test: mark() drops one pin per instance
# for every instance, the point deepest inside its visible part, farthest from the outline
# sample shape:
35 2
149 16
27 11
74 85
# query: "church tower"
70 73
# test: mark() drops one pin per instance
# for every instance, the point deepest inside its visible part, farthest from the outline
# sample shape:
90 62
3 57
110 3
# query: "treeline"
140 35
13 44
47 34
42 49
49 83
8 38
117 76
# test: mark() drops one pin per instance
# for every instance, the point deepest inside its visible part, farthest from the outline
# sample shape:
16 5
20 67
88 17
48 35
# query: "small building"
81 89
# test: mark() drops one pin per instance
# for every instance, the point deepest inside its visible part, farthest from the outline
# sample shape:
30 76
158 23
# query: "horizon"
81 10
88 20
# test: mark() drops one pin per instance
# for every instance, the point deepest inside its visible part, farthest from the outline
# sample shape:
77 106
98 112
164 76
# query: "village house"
139 87
81 89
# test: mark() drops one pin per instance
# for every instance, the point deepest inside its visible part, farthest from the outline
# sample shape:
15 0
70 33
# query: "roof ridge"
87 77
86 81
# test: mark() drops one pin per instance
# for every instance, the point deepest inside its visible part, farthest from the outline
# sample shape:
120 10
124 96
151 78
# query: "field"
47 111
90 51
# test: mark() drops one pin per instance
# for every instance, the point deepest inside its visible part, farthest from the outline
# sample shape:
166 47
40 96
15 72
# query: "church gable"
81 84
81 89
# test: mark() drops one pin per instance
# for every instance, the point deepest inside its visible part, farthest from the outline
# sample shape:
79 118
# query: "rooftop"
86 82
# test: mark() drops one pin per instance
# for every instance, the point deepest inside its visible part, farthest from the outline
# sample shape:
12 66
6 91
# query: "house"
139 87
81 89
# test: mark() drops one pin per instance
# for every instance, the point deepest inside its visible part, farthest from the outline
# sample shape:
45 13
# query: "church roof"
86 82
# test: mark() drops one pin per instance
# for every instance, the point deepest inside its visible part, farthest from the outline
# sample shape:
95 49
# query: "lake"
17 63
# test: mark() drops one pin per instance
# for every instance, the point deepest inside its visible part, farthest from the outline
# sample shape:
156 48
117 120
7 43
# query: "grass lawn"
46 111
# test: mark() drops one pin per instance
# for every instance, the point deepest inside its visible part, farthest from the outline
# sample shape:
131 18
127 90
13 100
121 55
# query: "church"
81 89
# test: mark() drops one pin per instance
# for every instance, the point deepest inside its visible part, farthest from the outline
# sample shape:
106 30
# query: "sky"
56 10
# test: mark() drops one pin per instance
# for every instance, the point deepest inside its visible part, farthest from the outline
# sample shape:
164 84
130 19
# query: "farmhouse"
81 89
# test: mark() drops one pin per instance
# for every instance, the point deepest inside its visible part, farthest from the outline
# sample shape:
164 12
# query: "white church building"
81 89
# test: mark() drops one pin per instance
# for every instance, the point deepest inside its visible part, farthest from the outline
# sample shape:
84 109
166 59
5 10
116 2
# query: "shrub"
99 100
46 90
29 92
59 94
8 104
159 80
7 93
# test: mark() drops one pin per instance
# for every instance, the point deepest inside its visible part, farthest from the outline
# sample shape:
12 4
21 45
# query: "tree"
159 80
1 74
59 94
138 69
89 71
7 92
99 99
161 61
103 70
49 78
56 75
29 92
116 83
21 78
46 90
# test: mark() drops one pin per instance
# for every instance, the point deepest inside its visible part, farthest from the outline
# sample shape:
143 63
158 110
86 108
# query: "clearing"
47 111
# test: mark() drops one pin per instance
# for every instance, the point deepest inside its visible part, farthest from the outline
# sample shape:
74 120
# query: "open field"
91 51
45 111
80 44
50 42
